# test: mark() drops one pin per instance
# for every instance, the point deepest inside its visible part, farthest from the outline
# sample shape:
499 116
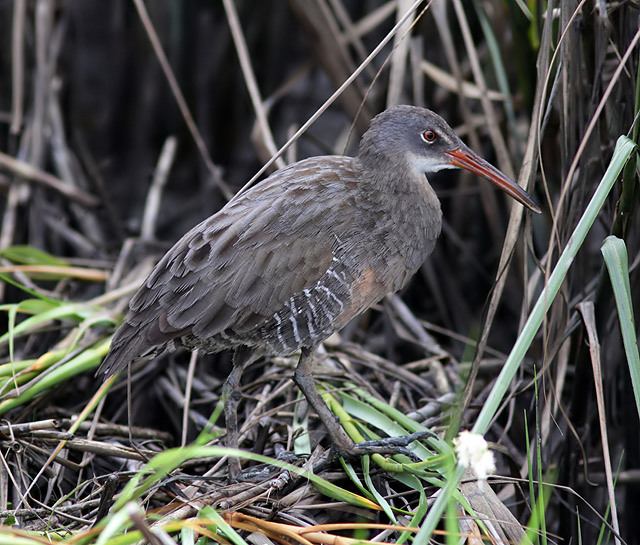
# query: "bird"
293 259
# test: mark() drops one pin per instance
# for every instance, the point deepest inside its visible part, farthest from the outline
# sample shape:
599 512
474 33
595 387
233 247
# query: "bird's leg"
304 379
231 395
342 443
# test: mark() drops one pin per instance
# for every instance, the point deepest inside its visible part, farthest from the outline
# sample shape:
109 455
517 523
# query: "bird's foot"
258 473
388 445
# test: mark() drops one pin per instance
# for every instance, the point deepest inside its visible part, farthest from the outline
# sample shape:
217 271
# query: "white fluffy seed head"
473 451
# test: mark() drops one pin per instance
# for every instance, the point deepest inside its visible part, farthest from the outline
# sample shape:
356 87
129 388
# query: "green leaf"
165 462
221 525
85 360
28 255
624 148
74 312
615 257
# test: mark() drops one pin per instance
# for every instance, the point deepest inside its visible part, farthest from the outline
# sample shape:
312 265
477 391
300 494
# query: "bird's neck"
407 194
409 206
393 172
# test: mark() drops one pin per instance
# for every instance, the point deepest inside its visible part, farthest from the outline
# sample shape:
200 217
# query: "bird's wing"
240 266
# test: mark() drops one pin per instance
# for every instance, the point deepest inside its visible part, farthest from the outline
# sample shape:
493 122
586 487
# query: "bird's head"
425 143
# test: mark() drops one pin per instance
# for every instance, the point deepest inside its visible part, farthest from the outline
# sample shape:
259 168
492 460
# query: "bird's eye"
429 135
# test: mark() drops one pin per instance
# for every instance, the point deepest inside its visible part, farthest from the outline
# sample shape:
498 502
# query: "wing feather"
240 266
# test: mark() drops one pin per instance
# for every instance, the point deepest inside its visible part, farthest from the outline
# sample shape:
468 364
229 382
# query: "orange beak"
463 157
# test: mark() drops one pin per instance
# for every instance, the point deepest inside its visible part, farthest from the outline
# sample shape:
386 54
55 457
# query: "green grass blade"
420 512
615 257
165 462
85 360
221 525
28 255
624 148
9 280
379 498
74 312
439 445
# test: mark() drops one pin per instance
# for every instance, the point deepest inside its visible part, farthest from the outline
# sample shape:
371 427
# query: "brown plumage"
293 259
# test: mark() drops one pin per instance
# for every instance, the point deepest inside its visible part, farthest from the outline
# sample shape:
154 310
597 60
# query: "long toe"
387 446
400 440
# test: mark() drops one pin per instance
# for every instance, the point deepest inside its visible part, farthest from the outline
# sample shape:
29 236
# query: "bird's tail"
127 345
